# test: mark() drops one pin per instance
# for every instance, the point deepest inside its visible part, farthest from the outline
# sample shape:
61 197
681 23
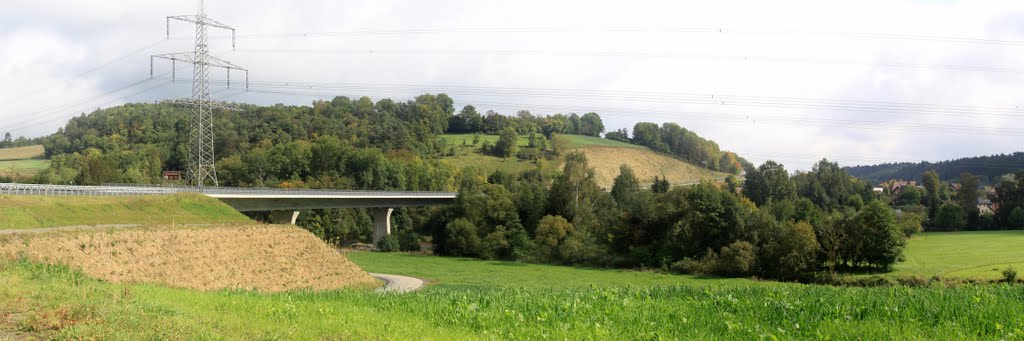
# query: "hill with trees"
988 168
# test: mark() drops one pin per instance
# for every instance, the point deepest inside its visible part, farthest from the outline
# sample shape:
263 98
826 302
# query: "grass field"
977 254
54 302
22 161
20 212
471 273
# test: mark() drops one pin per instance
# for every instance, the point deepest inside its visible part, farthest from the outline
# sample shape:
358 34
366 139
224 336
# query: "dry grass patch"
262 258
646 164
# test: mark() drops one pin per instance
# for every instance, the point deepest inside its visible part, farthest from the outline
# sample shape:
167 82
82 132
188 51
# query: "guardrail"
127 190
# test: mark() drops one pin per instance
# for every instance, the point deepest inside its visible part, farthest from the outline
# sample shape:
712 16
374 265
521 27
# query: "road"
398 284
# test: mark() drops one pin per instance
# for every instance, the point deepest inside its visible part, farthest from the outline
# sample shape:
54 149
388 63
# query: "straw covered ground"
264 258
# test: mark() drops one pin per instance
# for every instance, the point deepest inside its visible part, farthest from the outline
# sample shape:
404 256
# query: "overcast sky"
859 82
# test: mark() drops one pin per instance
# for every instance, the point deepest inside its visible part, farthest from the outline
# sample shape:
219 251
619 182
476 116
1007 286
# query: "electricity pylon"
201 169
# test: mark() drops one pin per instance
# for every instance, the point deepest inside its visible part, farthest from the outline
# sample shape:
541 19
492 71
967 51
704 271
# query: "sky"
860 82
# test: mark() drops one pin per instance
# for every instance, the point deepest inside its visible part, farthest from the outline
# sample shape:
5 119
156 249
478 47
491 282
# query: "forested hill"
350 143
987 167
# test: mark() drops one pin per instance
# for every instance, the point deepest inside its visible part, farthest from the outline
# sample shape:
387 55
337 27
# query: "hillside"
988 167
20 212
263 258
604 155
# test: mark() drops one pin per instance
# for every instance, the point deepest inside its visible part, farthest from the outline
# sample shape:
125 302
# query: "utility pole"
201 169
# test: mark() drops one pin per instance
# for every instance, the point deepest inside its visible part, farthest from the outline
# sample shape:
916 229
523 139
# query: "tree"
508 143
551 231
462 238
1016 219
792 250
574 190
660 185
590 125
648 134
950 217
910 195
882 240
967 197
621 135
625 185
769 182
467 121
931 188
7 142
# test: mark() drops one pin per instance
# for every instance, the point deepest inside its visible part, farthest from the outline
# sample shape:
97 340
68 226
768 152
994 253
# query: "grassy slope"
22 160
605 157
979 254
54 302
472 273
22 153
19 212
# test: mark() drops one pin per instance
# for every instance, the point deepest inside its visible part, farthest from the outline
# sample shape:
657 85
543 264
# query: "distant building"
895 187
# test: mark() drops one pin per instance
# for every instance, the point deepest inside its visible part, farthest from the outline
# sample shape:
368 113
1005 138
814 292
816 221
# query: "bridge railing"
135 189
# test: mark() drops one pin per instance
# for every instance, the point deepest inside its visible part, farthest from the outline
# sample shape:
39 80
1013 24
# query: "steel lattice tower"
201 168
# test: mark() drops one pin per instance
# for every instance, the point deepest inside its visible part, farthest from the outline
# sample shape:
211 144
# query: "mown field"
974 254
605 157
20 212
54 301
445 272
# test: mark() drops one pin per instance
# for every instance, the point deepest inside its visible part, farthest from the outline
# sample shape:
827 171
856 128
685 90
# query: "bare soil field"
645 163
264 258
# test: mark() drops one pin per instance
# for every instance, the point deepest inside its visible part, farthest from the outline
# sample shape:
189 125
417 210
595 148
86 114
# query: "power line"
646 55
57 113
33 93
684 30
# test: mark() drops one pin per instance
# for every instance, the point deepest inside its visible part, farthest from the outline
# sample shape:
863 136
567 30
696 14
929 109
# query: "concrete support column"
381 222
284 217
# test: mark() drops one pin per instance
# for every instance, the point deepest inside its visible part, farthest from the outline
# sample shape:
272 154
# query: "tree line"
685 144
989 169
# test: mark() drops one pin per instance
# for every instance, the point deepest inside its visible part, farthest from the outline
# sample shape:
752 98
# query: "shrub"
388 244
704 265
736 259
410 242
1010 275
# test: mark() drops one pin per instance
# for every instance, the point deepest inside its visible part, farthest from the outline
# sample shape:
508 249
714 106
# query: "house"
895 187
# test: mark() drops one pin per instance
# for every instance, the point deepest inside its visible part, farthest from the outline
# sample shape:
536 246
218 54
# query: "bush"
736 259
388 244
1010 275
410 242
704 265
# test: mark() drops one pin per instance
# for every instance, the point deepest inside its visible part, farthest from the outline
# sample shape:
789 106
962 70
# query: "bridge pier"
381 222
284 217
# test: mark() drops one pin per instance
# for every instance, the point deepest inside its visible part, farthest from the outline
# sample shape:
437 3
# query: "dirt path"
398 284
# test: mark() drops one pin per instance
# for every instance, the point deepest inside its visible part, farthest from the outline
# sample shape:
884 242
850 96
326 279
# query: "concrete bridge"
283 204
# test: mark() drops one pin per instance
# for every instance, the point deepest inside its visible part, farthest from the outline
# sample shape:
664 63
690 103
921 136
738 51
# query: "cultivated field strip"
262 258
